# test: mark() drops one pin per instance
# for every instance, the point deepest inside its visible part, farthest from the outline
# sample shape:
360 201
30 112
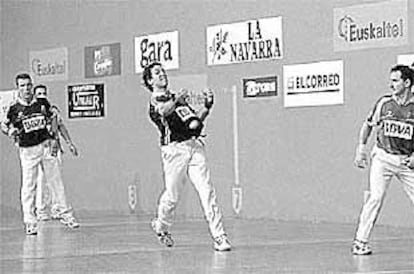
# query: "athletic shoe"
31 228
43 217
70 222
164 236
360 248
222 243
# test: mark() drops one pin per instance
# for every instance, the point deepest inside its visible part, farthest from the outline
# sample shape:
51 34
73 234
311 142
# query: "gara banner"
249 41
103 60
49 65
161 47
374 25
7 98
86 101
260 86
313 84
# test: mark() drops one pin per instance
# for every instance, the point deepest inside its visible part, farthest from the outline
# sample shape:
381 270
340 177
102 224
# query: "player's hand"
13 132
181 96
73 149
361 157
208 98
409 162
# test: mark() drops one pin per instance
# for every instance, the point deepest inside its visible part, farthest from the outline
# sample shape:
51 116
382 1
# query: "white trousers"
32 159
52 192
384 167
187 160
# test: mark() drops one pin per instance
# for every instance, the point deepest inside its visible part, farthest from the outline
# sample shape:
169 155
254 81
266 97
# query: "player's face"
159 77
24 87
41 93
397 84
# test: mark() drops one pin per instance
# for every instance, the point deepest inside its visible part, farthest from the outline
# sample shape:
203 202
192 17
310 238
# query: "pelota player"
183 155
26 122
392 155
59 208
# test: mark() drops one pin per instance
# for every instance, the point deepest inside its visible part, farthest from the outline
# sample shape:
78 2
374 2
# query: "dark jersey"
30 121
175 126
395 124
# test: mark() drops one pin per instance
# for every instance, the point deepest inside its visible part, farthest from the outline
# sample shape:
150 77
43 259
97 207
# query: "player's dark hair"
406 72
39 86
146 74
22 76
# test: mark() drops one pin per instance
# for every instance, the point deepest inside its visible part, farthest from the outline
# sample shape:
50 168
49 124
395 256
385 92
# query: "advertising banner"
49 65
313 84
161 47
103 60
260 86
86 101
372 25
248 41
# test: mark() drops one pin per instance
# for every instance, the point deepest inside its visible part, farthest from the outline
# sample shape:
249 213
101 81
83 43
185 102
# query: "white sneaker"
164 236
70 222
360 248
31 228
222 243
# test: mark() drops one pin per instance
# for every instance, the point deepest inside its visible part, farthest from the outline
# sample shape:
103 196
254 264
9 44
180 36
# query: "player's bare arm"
166 106
66 136
361 156
208 104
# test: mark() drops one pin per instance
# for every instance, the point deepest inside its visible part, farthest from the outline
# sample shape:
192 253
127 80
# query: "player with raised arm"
183 155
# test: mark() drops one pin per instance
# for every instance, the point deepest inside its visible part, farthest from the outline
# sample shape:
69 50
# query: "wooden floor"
125 244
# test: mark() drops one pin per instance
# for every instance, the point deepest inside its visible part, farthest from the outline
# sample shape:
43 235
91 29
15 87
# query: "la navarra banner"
249 41
86 101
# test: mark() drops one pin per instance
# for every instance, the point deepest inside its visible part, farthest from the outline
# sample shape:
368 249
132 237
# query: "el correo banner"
49 65
161 47
6 100
313 84
370 26
86 101
248 41
406 59
103 60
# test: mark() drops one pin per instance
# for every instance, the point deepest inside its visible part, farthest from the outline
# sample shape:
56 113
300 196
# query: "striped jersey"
395 124
30 121
172 127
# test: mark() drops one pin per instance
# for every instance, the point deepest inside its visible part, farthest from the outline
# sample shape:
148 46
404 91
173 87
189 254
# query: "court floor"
125 244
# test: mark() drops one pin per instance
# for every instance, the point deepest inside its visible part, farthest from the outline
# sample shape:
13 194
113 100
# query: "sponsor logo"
352 32
103 62
86 100
184 112
247 41
41 69
264 86
398 129
161 47
217 48
34 123
256 47
155 51
319 82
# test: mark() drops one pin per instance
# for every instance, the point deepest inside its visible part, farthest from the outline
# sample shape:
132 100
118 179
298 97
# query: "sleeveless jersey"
175 126
395 124
30 120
